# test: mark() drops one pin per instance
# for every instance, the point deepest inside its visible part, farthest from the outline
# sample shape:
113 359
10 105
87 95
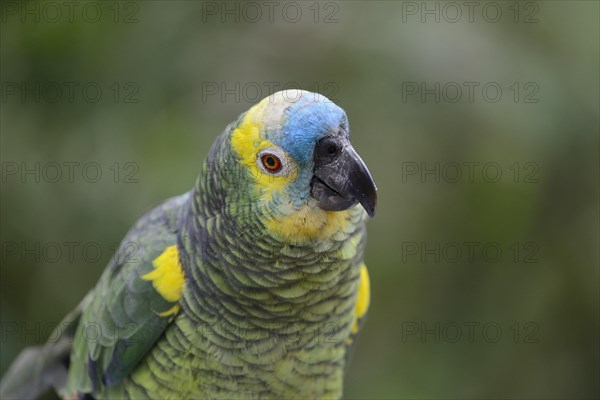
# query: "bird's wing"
134 301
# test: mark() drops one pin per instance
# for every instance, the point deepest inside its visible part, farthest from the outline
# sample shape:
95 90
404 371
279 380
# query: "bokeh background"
474 324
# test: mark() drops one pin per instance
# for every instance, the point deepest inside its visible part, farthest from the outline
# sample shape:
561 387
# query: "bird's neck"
244 267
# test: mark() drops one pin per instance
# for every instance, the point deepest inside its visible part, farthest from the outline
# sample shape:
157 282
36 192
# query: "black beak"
341 179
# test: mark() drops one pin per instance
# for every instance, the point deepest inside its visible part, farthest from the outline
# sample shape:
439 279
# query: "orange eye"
271 162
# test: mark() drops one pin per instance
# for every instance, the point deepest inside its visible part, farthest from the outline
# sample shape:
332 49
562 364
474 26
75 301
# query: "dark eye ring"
271 162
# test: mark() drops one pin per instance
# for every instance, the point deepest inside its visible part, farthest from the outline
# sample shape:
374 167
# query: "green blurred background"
173 74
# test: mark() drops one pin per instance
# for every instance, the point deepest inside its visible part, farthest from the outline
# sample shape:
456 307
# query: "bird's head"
296 160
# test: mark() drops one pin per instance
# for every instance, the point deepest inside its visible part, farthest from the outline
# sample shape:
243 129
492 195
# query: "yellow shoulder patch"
167 277
363 298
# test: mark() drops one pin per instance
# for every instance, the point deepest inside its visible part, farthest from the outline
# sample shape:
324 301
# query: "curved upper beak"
341 179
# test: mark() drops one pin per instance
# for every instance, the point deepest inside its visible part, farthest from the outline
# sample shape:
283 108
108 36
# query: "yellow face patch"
247 143
167 277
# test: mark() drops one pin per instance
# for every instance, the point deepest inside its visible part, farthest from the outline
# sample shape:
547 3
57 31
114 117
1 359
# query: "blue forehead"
306 121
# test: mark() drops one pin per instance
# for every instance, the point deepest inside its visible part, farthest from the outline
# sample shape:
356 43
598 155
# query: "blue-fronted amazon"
251 285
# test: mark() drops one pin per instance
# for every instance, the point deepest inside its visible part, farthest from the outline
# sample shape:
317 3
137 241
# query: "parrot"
252 285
